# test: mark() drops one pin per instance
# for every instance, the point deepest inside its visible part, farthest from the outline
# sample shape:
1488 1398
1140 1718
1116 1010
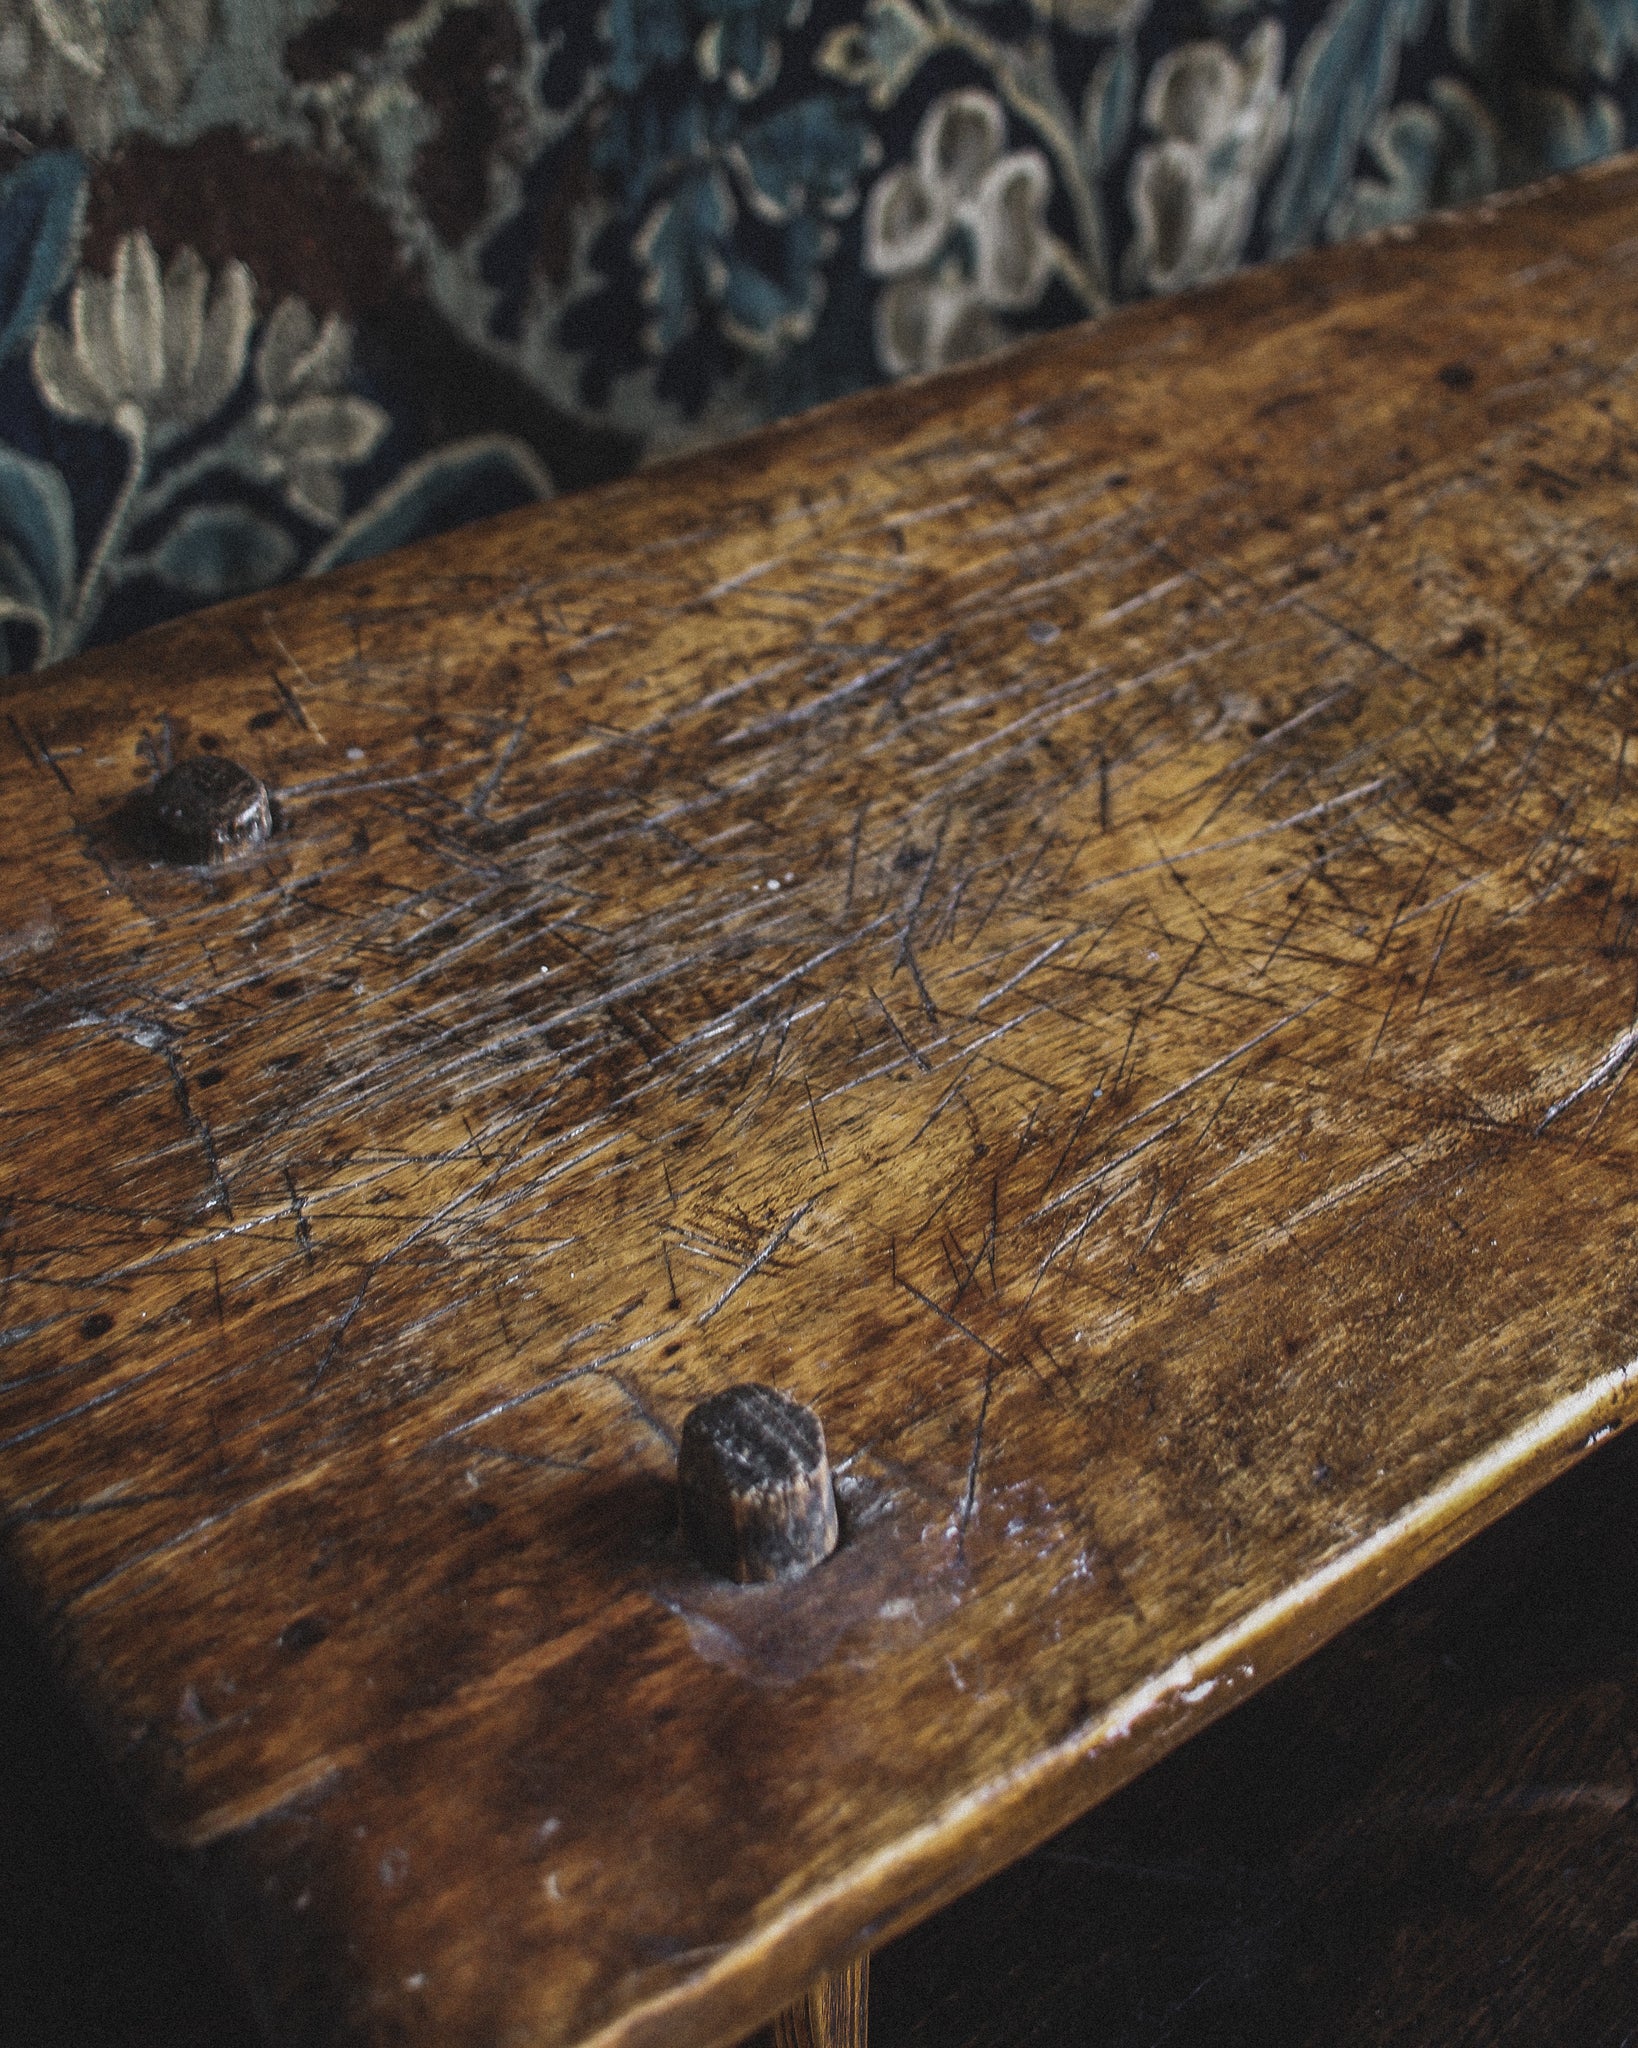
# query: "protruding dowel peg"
207 809
754 1485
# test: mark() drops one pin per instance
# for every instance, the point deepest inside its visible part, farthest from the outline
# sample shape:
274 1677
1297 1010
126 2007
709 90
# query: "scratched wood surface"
1422 1835
1080 918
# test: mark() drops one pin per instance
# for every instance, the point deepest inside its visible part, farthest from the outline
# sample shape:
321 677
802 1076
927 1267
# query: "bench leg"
833 2013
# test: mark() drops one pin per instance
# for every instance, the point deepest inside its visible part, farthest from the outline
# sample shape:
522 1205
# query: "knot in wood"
754 1486
207 808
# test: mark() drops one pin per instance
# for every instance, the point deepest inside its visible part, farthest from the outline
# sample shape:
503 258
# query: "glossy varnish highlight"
1079 918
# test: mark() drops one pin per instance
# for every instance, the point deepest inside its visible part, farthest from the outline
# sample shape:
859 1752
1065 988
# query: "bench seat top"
1081 917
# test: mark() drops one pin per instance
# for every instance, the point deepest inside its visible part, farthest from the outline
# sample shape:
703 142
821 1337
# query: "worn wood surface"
1422 1835
1079 919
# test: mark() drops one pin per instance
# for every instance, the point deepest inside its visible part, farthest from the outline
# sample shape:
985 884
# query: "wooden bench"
1421 1834
1079 917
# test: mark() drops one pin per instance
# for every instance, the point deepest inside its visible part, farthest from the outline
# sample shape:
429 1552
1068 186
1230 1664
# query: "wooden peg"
207 809
754 1486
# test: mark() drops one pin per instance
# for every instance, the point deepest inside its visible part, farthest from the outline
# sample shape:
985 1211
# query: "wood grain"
1421 1835
1079 918
832 2013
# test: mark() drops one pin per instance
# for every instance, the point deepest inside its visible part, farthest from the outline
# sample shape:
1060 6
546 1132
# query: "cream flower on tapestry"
153 356
78 61
1223 120
306 428
960 232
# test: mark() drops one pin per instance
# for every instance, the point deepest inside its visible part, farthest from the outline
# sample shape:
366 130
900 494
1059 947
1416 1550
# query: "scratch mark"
907 955
1609 1066
1328 804
1445 930
1070 1239
853 859
550 1385
929 867
37 751
1393 997
298 1209
51 761
761 1258
993 1359
23 746
950 1094
479 798
292 703
921 1061
1024 973
970 1498
348 1317
157 1039
818 1135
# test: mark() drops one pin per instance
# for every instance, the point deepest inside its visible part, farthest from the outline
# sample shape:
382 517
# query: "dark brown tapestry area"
304 229
466 80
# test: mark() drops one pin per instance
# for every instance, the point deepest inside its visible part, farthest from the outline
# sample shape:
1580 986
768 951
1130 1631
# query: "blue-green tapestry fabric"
285 282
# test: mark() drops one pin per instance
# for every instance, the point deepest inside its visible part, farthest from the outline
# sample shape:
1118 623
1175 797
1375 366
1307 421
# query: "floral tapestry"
285 282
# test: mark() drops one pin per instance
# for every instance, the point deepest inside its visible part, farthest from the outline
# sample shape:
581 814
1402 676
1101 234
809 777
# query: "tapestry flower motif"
1440 153
1222 120
70 61
307 427
159 358
882 52
721 201
585 235
960 232
152 356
